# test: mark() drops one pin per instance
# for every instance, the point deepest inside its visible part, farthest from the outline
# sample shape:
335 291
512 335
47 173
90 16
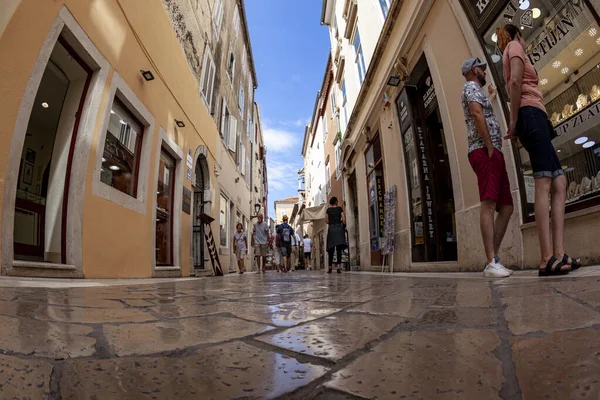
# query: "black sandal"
553 267
574 264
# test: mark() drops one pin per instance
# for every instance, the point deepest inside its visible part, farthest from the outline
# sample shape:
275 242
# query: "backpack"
286 233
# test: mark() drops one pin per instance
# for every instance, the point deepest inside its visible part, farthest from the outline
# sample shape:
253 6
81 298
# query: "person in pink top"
529 122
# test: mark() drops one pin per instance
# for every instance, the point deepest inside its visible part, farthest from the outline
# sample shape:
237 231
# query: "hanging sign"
380 210
189 159
187 200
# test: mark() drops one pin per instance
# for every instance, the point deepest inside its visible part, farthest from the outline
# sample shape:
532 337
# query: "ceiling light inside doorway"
581 140
579 52
558 151
494 38
524 4
565 70
556 64
103 159
543 81
45 105
536 13
114 168
592 32
589 144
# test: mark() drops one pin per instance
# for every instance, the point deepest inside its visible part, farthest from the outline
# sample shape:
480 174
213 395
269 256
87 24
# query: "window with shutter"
243 159
217 16
232 133
224 120
241 99
208 79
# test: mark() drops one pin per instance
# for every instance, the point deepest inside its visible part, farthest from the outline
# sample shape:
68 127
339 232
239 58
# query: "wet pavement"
303 335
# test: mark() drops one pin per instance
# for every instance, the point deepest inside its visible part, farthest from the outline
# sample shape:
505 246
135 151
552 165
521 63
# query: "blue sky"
290 49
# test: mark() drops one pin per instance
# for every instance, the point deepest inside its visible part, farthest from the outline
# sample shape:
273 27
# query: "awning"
313 214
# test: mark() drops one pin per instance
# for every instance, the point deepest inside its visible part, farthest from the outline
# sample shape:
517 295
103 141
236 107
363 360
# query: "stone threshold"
42 265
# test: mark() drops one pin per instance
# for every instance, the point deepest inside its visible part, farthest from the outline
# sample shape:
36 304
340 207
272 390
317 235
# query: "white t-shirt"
307 245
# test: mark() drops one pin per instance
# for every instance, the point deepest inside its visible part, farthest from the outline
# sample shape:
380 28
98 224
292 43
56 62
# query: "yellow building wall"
117 242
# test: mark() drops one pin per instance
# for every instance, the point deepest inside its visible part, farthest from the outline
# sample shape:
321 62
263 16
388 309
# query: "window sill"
571 215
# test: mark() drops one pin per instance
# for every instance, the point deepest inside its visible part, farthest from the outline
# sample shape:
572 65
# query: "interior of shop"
39 213
563 44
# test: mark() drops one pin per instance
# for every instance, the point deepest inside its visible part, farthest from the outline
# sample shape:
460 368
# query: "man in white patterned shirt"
487 160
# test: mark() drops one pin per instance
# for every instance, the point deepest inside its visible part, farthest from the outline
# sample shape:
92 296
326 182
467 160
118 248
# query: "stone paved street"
304 335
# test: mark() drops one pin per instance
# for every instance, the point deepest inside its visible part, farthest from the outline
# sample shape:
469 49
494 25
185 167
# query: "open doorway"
41 203
429 177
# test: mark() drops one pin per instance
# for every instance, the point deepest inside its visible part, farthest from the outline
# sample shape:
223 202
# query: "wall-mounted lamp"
147 75
394 80
179 123
237 179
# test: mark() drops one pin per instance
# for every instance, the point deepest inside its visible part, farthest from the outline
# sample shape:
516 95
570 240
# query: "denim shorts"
533 130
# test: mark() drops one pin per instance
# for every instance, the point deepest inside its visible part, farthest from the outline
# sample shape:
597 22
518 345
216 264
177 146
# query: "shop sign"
187 200
427 190
429 95
189 160
560 29
580 123
380 211
404 111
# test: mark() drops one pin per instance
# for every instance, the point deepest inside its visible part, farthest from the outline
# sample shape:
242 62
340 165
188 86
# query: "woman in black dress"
336 234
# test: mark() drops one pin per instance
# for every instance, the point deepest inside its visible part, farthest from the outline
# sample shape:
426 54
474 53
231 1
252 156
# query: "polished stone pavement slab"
303 335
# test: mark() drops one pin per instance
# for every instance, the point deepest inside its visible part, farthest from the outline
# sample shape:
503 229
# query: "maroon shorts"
492 177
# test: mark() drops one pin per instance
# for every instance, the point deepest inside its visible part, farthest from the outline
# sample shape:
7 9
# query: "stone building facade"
402 125
130 103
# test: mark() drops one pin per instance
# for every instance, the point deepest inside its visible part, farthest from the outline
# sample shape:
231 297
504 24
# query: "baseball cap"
471 63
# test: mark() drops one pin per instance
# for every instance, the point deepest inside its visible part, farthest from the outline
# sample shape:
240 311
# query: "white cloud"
282 174
281 141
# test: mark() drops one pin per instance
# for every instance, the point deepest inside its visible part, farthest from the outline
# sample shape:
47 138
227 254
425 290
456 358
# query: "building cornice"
244 21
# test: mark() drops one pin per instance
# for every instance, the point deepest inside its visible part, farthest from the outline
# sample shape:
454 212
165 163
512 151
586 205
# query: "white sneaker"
497 261
495 270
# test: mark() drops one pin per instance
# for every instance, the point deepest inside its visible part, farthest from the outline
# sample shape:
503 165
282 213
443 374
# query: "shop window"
563 44
164 209
122 148
223 222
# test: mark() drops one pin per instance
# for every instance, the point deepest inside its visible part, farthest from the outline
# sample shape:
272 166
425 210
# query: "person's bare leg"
486 223
500 226
559 196
542 218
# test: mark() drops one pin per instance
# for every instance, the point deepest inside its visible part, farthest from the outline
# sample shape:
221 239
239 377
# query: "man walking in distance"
485 156
307 252
285 241
295 250
260 241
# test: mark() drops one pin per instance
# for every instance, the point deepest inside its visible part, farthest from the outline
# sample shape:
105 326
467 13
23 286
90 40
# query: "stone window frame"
120 89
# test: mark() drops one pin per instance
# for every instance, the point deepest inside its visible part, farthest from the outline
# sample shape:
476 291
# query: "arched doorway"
201 199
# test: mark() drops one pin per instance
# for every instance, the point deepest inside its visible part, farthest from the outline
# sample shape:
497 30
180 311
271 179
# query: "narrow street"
303 335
